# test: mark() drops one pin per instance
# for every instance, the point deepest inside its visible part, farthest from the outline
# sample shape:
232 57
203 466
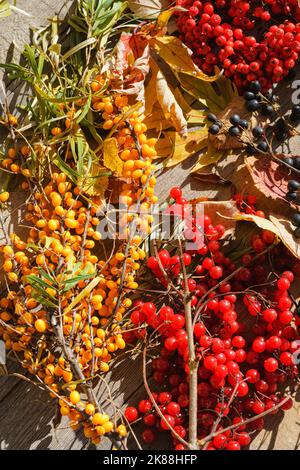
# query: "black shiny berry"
267 110
291 196
297 163
234 131
248 95
214 129
244 124
293 185
251 150
257 131
253 105
212 117
289 161
297 232
255 87
235 119
294 118
296 219
296 110
262 146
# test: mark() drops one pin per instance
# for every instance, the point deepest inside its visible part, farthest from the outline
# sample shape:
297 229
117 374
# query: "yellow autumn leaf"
165 16
209 157
165 145
196 116
285 231
95 181
169 105
184 147
111 158
150 87
211 97
149 9
280 226
84 293
178 56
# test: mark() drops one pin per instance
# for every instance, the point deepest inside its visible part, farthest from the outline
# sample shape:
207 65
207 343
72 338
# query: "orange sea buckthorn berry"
7 251
74 397
108 426
108 124
108 108
25 151
26 172
6 162
4 196
90 409
67 376
40 260
100 430
12 120
56 131
40 325
98 106
96 86
24 185
11 153
15 168
56 199
71 223
104 367
53 224
7 266
121 430
62 187
64 410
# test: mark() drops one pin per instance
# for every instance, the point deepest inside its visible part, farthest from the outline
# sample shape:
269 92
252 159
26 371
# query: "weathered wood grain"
27 414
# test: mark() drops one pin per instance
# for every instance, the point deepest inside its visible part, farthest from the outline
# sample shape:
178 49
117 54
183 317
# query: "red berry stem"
153 401
245 422
193 362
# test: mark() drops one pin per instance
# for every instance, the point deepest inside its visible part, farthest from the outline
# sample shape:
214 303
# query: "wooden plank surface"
27 414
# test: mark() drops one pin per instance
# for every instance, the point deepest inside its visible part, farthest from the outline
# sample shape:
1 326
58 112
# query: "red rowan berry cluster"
250 40
245 332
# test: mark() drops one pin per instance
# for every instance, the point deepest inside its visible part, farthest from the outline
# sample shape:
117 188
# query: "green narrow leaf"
65 168
5 9
78 47
70 283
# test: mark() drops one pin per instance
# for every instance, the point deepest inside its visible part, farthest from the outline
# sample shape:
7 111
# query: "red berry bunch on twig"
230 341
250 40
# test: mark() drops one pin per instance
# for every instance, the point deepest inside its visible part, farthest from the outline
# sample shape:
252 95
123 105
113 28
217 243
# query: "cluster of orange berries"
136 151
61 245
14 162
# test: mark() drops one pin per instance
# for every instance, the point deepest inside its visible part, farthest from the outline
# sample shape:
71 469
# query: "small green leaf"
78 47
5 9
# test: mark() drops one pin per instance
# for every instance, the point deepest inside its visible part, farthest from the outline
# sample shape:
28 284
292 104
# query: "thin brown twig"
203 441
193 362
